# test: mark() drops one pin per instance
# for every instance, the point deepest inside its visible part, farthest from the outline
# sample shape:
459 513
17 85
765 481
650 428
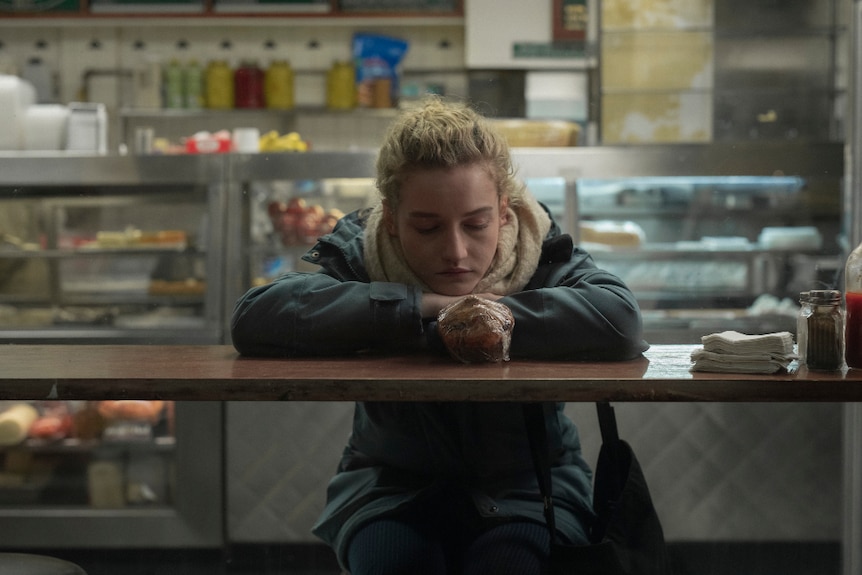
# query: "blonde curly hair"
443 134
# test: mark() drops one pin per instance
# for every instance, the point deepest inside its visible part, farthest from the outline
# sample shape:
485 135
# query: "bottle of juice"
853 295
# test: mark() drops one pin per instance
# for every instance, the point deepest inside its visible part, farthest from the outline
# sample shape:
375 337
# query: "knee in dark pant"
517 548
388 547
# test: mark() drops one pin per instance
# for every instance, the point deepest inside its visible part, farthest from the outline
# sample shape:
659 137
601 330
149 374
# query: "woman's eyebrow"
476 212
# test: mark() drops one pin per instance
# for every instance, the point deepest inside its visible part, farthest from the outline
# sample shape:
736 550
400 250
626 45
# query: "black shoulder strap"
607 422
534 418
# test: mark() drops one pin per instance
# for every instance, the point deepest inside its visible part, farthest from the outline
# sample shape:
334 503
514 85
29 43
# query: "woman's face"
448 222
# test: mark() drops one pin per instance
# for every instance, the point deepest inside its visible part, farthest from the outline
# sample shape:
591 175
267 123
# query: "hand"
432 303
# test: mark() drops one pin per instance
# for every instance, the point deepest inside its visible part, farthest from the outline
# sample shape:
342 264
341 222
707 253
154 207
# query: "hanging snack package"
377 61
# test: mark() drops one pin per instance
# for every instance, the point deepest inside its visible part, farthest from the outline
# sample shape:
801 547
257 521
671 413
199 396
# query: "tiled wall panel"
717 471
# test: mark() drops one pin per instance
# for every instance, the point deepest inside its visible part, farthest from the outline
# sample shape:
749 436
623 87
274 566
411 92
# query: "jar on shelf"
278 85
248 85
825 322
341 86
853 296
219 85
194 84
173 85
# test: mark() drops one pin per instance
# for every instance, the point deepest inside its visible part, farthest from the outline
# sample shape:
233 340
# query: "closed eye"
477 224
428 223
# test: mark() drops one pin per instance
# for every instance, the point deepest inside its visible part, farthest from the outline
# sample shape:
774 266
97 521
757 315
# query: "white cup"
246 140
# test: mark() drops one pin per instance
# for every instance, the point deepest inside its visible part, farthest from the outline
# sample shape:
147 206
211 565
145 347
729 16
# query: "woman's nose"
455 247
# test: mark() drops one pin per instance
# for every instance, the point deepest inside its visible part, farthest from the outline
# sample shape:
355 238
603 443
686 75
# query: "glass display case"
110 474
157 249
279 204
708 237
110 250
706 254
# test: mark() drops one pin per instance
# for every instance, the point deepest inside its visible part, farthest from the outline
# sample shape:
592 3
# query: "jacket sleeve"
573 310
316 314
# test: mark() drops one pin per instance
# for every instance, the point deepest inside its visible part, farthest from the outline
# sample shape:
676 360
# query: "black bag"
627 537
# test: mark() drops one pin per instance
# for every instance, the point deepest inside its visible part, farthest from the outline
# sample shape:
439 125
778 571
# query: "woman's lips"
455 272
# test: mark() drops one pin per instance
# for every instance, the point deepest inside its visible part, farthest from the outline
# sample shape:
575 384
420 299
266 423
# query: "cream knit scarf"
515 262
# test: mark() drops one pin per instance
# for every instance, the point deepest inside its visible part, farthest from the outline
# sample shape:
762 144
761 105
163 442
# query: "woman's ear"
389 220
504 210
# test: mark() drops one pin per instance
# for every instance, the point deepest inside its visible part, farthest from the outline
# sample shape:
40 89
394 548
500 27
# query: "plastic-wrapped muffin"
476 329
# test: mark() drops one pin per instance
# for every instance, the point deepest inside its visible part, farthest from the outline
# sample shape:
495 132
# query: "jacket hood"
341 251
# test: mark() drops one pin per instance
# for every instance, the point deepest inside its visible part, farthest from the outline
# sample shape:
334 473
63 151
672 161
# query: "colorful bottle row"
220 87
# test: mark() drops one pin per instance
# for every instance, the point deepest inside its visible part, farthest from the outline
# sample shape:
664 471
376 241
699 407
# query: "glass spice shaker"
825 349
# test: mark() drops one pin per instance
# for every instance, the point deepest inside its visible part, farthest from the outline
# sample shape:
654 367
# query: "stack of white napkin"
734 352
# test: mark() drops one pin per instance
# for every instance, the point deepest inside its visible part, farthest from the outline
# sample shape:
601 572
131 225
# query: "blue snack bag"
377 59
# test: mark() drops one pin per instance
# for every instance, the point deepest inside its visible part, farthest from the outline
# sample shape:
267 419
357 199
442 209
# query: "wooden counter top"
204 373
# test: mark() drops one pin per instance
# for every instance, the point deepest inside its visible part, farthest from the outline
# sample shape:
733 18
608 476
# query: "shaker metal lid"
824 296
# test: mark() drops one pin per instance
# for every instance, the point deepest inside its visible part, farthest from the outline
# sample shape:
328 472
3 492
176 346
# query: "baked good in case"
131 409
475 329
15 423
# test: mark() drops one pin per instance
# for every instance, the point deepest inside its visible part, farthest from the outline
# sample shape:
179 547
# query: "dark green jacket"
570 310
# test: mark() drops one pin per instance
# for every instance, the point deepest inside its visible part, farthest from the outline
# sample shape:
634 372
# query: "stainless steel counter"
809 160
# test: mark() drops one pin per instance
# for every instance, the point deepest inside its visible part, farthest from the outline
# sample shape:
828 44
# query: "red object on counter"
205 143
853 341
248 86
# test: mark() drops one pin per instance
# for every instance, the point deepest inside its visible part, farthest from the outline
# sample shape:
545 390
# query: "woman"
445 487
